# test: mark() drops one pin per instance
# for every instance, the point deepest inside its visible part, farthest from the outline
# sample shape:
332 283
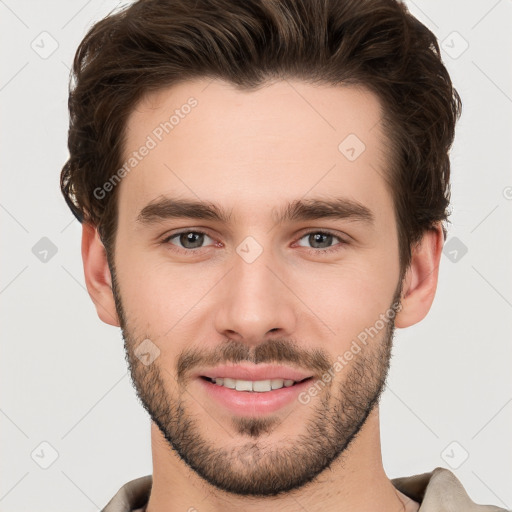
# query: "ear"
420 280
97 275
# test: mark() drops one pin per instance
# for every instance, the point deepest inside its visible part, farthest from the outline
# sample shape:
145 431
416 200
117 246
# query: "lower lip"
252 402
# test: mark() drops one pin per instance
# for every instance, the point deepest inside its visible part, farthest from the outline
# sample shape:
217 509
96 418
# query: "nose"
256 302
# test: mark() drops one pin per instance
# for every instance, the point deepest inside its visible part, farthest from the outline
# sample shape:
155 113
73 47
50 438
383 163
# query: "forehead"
207 140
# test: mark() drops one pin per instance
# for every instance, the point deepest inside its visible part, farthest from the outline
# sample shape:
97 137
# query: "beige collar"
439 491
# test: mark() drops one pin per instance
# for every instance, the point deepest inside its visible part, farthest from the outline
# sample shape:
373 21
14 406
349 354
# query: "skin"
251 153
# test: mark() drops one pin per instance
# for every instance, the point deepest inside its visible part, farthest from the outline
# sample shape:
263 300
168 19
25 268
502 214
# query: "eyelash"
312 250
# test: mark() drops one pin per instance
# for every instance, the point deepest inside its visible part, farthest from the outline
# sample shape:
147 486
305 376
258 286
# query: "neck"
355 482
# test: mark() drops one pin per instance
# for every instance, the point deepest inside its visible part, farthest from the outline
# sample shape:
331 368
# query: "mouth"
255 386
253 390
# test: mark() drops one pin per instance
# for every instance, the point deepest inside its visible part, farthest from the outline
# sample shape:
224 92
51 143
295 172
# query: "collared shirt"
437 491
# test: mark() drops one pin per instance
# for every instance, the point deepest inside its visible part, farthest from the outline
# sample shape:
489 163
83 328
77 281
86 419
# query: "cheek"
350 297
162 297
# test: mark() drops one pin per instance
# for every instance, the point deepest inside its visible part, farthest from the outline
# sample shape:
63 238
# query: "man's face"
259 296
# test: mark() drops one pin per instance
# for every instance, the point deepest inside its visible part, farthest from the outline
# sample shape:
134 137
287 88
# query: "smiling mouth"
258 386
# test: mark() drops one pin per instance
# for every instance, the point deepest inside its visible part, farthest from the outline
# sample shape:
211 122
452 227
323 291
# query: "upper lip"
254 372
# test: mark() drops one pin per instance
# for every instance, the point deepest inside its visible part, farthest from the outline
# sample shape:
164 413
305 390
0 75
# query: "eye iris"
196 239
324 239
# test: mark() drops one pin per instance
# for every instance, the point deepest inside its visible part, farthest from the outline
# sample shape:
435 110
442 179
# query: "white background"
63 375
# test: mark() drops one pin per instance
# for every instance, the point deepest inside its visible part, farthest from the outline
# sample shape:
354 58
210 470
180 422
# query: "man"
262 187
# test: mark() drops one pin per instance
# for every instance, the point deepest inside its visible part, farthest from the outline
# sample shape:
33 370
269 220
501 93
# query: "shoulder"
131 496
440 490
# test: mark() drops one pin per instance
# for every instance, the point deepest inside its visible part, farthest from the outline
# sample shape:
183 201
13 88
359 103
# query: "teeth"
277 383
243 385
259 386
229 383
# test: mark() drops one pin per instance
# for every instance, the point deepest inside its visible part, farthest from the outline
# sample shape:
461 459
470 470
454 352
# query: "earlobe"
420 281
97 275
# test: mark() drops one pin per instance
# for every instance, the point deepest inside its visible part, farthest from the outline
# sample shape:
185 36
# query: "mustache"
271 351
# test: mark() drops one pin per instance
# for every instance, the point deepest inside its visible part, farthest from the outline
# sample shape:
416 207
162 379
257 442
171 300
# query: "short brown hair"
154 44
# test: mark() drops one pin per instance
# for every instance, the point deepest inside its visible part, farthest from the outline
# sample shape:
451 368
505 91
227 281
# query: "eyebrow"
166 207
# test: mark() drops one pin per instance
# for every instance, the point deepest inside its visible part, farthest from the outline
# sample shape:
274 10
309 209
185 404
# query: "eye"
321 241
188 240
